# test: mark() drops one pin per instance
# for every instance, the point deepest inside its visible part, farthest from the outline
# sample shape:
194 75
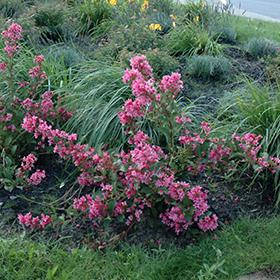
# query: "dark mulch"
229 199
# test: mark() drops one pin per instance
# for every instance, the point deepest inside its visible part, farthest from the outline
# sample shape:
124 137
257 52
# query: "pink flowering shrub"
148 180
22 99
28 220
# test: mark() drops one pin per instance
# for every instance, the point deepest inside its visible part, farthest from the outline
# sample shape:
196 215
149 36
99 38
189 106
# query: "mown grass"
246 246
247 27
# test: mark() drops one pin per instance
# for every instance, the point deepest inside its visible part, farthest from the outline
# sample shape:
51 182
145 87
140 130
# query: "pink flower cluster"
26 165
144 89
96 209
13 34
28 220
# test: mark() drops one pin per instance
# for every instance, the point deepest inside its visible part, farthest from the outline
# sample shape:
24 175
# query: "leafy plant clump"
11 8
207 66
49 17
92 13
161 62
273 68
262 47
137 37
223 34
192 39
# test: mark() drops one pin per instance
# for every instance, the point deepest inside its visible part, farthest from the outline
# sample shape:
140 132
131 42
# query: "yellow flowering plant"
155 26
145 5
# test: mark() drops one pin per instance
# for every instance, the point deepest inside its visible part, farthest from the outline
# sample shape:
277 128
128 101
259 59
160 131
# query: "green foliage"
190 39
161 62
207 66
98 92
197 11
223 34
92 13
67 57
11 8
262 47
255 109
163 19
273 68
49 17
137 37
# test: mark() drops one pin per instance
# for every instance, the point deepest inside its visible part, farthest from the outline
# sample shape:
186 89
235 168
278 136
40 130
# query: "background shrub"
161 62
273 68
207 66
49 17
262 47
11 8
137 38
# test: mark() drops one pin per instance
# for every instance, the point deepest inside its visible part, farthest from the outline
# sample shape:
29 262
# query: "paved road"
269 8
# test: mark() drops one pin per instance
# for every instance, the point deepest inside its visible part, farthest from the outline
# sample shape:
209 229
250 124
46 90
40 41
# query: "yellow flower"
113 2
145 5
130 1
219 1
155 26
196 19
173 16
203 4
174 24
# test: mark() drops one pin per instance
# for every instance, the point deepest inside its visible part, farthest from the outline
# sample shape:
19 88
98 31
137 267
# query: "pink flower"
208 223
3 66
36 177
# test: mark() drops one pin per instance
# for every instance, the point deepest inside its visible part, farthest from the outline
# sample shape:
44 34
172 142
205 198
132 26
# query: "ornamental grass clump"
192 39
49 17
11 8
207 66
92 13
223 34
262 47
147 181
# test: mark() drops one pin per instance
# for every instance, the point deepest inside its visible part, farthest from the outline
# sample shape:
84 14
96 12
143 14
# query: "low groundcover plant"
148 179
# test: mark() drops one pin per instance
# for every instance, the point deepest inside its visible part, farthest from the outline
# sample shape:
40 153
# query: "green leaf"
65 224
147 190
13 150
120 218
9 188
150 222
69 210
106 223
154 211
8 174
111 206
8 140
